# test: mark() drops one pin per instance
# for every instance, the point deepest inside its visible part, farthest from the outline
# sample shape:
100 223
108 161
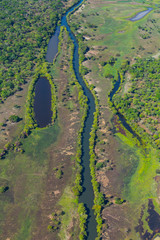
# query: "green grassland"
141 184
108 25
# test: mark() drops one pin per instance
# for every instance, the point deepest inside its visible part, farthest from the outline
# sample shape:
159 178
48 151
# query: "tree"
14 118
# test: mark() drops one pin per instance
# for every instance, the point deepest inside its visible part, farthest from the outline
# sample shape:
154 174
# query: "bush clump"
119 200
14 118
3 189
99 165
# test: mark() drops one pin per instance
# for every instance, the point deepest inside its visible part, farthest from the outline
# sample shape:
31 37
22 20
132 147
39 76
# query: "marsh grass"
25 174
140 183
68 201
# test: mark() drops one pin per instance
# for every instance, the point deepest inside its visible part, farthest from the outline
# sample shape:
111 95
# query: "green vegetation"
83 218
140 104
59 174
14 118
110 44
69 206
100 165
30 122
119 200
77 189
56 221
24 39
3 189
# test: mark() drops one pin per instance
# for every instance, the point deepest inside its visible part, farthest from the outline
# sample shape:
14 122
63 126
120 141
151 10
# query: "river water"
87 196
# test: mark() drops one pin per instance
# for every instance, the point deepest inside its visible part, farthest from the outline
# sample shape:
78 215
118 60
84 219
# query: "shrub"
158 171
99 165
50 228
59 174
3 189
119 200
16 106
14 118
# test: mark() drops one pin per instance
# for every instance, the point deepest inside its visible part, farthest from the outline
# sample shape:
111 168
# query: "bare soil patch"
13 105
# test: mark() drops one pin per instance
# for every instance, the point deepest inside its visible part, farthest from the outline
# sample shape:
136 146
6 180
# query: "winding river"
87 196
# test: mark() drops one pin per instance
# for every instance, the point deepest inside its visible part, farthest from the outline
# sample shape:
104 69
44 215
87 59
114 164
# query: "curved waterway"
140 15
121 117
87 196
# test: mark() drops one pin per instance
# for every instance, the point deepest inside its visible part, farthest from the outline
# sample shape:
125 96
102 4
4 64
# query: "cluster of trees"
30 123
147 29
141 104
26 28
56 221
16 147
58 172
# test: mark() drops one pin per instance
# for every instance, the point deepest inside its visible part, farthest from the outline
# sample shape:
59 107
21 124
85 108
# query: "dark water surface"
140 15
53 46
115 88
42 102
87 196
153 221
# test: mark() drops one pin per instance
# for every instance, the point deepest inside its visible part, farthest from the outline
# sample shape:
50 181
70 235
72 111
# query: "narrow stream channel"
87 196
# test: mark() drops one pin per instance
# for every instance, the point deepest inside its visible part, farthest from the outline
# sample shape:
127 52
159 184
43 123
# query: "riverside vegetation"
77 189
73 84
98 196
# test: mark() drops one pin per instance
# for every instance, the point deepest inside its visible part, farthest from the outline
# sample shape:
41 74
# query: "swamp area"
43 177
